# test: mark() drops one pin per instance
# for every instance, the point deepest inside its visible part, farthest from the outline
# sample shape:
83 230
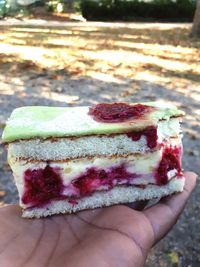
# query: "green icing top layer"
44 122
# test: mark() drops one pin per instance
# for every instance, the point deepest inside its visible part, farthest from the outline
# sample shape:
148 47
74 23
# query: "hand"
117 236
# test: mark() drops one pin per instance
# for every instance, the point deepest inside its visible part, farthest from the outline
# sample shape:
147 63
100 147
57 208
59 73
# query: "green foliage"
161 10
3 8
13 8
52 5
76 5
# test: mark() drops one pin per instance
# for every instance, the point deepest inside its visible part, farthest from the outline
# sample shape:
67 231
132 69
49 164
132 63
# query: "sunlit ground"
165 55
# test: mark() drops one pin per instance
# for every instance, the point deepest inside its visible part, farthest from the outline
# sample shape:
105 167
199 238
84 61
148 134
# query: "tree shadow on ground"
12 64
176 36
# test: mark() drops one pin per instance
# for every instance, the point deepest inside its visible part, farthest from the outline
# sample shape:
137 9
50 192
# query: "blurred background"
70 52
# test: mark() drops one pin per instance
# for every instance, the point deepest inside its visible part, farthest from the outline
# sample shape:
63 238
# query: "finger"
138 205
164 215
10 211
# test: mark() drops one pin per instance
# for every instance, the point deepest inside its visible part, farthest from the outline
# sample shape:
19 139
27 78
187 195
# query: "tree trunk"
196 23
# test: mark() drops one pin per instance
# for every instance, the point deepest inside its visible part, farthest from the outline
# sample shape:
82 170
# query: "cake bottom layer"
117 195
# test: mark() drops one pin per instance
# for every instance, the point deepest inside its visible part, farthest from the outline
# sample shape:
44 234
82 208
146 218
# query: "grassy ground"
84 63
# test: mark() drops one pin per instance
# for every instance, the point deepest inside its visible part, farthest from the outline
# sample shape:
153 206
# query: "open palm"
117 236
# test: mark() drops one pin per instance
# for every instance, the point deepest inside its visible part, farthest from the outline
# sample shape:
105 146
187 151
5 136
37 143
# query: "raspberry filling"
44 185
94 179
171 160
149 132
41 186
118 112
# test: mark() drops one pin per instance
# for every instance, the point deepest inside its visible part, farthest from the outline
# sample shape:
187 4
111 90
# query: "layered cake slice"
69 159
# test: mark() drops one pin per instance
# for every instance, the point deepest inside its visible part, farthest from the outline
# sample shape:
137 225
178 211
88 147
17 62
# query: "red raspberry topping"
118 112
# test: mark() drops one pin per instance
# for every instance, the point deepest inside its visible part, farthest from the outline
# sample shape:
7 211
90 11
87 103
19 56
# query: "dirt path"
23 82
51 23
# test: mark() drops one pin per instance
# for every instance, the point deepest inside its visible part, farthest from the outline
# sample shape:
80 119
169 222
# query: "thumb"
164 215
